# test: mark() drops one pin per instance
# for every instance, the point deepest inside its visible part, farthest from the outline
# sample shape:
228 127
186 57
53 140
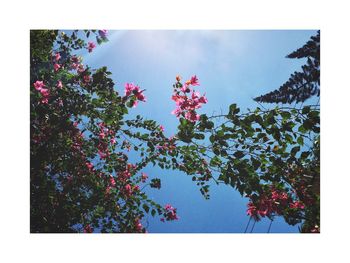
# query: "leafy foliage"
80 175
83 181
301 85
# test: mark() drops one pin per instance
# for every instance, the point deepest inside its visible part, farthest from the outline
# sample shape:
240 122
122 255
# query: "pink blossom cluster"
56 57
86 79
45 93
187 100
59 84
170 213
90 166
88 229
127 173
138 225
131 89
103 33
91 46
144 177
77 150
111 183
129 190
272 203
76 64
104 134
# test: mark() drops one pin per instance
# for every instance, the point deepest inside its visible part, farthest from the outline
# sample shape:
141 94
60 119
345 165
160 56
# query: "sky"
232 67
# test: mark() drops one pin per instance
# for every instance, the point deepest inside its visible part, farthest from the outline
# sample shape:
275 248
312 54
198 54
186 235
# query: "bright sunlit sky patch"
232 67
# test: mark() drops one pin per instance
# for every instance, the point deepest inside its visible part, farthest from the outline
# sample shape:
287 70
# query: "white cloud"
181 50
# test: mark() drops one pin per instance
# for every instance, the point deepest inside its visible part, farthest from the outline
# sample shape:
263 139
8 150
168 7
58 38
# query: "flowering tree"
81 177
271 156
83 181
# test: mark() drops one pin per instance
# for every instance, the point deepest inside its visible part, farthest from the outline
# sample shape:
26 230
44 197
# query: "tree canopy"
301 85
82 179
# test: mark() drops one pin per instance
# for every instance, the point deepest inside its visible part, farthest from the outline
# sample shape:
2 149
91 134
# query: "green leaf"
256 163
295 150
153 212
146 208
304 155
223 177
199 136
238 154
288 138
300 140
285 115
306 110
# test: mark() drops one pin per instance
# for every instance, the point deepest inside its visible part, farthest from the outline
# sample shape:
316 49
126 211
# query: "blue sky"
232 67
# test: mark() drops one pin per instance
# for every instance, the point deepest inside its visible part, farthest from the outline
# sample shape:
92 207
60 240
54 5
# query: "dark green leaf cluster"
301 85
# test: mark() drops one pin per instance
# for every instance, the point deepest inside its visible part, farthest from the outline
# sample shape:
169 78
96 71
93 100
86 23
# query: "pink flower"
75 59
59 84
168 207
140 96
102 154
86 78
297 204
45 92
89 166
103 33
185 88
203 99
177 112
81 68
88 229
143 177
128 190
113 141
194 81
101 135
38 85
60 103
252 210
170 213
57 56
138 225
112 181
129 87
192 116
161 128
91 46
56 67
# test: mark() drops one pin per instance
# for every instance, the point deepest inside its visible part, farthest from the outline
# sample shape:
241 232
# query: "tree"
83 181
301 85
268 155
81 178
